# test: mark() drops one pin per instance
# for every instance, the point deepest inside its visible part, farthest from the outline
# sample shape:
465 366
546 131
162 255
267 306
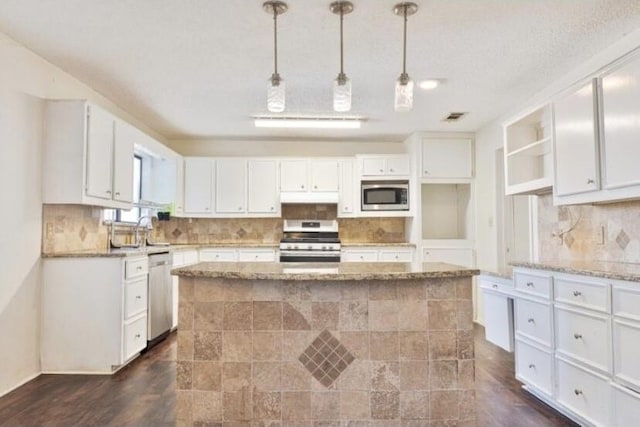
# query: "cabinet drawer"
189 257
396 255
503 286
136 267
533 320
591 295
538 285
258 255
584 392
135 297
534 366
626 407
583 337
626 351
626 301
177 259
135 337
218 255
359 256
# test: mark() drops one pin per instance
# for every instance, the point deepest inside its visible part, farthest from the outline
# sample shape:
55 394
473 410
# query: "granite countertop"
608 270
502 273
147 250
367 245
323 271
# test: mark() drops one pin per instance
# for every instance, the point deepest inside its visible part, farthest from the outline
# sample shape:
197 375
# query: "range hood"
292 197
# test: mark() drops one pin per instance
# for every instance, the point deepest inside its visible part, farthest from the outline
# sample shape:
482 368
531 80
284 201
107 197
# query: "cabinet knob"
426 172
531 320
390 170
272 208
578 392
138 297
381 170
315 187
302 186
577 336
532 366
240 208
108 191
206 209
397 257
590 181
577 293
139 267
494 286
137 336
530 285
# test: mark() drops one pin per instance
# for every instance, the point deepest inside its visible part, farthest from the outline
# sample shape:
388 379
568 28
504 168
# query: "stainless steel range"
310 241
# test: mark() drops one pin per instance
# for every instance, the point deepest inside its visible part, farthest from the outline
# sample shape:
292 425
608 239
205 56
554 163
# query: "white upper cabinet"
446 158
576 142
347 200
621 126
293 175
100 142
125 138
263 196
88 156
230 185
325 175
385 165
198 185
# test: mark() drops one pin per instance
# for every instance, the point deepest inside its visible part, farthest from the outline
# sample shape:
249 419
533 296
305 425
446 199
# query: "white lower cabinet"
218 255
534 320
584 392
257 255
534 366
377 254
94 313
626 407
238 254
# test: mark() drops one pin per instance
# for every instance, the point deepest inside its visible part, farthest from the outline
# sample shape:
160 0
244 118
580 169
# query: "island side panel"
397 352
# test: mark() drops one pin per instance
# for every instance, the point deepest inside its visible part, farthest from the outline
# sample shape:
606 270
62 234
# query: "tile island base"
390 351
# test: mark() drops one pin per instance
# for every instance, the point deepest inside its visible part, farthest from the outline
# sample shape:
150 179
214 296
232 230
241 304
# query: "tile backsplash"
609 232
68 228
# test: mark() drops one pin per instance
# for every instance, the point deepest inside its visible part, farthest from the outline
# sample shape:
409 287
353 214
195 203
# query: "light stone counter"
377 245
364 344
147 250
323 271
607 270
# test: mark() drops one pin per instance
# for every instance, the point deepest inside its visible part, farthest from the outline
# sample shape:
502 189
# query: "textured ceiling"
199 68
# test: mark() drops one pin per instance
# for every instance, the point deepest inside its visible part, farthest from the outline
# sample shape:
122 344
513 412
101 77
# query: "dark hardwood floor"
142 394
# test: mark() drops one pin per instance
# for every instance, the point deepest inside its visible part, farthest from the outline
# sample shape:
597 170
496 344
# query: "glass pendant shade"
404 95
342 94
276 95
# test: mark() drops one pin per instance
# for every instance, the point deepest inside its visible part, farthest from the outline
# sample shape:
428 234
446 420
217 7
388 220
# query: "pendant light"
404 85
275 85
342 84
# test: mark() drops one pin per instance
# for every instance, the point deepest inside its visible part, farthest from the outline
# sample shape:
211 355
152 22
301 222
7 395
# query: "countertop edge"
628 277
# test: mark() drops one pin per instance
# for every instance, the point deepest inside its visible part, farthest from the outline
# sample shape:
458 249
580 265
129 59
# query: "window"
131 215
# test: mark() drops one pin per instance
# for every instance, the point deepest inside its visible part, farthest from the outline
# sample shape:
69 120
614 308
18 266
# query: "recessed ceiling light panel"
429 84
308 122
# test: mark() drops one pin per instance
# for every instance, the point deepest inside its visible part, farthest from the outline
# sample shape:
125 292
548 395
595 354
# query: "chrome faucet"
137 229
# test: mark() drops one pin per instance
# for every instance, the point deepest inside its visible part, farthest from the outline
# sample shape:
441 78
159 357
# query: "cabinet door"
125 136
576 145
293 175
231 176
263 195
198 180
446 158
373 166
621 142
325 175
100 135
398 165
347 199
498 320
626 348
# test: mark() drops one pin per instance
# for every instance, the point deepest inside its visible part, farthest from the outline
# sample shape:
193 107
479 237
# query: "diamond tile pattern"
569 240
622 239
83 234
326 358
176 233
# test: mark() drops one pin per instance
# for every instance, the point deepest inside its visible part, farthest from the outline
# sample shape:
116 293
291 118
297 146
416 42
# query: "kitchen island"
384 344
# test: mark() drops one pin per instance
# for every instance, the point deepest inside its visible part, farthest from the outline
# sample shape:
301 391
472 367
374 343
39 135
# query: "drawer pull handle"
529 284
577 392
138 297
494 286
532 366
137 336
139 267
577 336
577 293
590 181
531 320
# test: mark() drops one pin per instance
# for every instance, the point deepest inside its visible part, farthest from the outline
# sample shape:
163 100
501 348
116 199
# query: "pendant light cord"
404 52
275 41
341 44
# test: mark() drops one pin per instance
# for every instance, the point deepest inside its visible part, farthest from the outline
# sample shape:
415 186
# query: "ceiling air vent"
454 117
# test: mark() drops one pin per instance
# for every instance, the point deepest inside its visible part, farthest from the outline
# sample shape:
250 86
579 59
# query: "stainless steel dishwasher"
160 315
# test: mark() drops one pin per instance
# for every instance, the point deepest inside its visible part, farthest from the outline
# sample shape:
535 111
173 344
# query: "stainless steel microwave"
385 195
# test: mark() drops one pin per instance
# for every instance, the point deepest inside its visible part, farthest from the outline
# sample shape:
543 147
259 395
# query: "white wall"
25 81
282 148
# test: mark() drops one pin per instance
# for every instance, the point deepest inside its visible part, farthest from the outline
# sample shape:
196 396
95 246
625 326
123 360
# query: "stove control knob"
324 248
310 247
295 247
289 246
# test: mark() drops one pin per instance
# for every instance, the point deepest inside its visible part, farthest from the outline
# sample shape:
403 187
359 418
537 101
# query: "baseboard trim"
20 384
